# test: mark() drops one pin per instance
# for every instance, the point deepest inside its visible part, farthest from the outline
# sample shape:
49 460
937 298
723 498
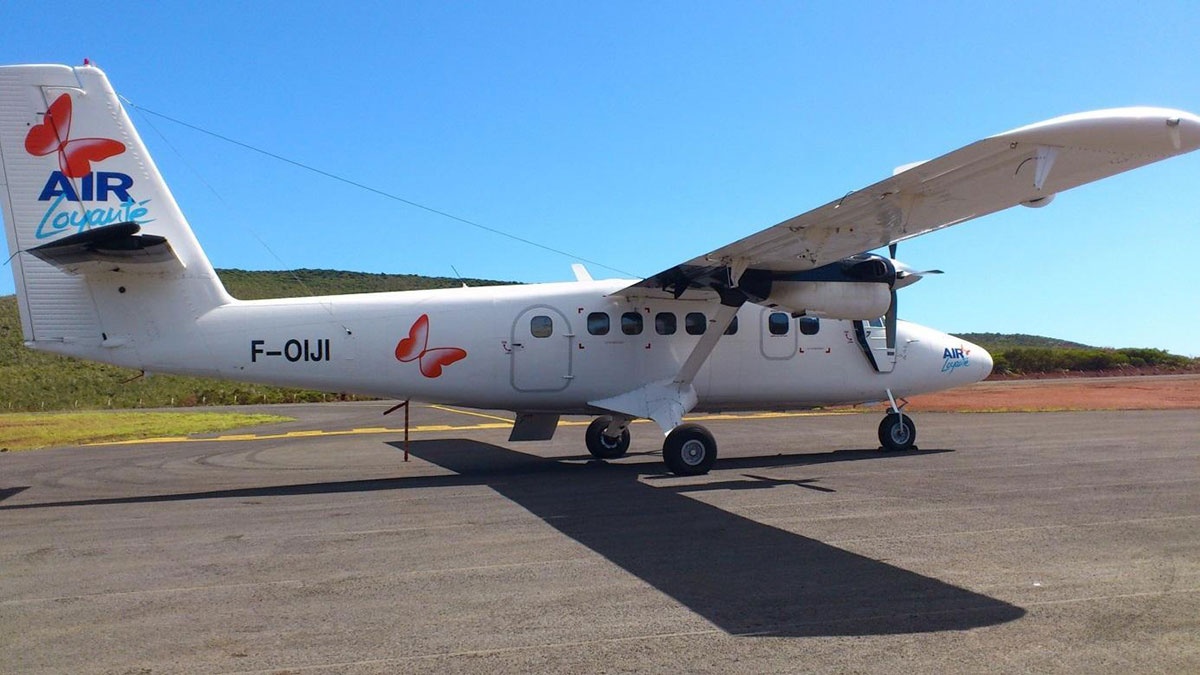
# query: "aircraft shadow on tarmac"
745 577
5 493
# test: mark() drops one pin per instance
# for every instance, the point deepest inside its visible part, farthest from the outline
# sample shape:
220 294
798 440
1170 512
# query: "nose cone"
964 362
982 362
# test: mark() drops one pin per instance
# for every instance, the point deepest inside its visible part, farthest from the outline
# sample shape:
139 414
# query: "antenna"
368 188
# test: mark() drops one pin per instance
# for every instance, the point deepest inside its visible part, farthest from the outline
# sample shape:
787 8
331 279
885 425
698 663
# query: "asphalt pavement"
1047 542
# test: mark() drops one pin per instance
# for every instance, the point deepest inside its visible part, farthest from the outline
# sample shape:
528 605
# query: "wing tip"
1138 130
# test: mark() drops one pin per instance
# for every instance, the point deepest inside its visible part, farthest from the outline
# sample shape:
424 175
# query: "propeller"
905 276
889 319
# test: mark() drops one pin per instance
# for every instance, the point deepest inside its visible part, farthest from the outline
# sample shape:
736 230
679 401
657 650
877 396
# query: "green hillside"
1002 341
245 285
1020 354
31 380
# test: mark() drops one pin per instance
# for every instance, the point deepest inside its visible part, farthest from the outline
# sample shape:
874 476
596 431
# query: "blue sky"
642 134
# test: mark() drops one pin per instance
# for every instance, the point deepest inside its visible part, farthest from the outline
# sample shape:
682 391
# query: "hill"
245 285
1001 341
32 380
1017 354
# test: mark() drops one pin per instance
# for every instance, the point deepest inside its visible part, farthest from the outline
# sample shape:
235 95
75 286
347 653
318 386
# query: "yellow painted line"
469 412
313 433
770 415
435 428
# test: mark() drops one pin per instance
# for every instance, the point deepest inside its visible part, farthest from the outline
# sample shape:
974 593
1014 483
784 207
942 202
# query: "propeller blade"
890 322
906 276
892 250
903 273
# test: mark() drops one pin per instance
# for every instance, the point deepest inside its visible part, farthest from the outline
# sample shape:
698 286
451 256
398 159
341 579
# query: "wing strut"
707 343
666 401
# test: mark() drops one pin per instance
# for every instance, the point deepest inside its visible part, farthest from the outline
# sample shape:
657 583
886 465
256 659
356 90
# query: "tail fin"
101 254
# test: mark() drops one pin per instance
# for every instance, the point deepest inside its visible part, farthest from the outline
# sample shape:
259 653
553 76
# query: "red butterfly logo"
75 157
415 348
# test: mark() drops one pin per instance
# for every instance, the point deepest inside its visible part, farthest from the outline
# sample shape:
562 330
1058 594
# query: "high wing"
1027 166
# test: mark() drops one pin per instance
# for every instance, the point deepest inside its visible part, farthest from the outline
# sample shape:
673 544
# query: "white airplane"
795 316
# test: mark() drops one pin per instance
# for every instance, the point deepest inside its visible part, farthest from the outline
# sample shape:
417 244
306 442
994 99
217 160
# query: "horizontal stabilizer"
111 248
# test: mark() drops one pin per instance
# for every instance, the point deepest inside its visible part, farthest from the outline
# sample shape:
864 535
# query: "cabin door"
541 350
779 337
872 337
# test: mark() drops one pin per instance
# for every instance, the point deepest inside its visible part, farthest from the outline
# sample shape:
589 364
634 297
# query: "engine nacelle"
832 299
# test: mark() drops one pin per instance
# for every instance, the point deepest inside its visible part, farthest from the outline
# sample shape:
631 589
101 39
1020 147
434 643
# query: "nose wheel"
897 433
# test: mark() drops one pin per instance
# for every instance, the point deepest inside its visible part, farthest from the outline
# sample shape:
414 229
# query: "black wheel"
689 450
605 447
897 432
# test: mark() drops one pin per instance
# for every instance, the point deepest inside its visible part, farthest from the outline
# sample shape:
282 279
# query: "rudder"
73 170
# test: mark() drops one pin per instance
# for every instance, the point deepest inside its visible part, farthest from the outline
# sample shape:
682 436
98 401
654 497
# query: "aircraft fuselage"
539 348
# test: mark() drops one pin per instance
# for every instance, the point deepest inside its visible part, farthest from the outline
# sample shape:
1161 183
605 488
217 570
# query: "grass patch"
35 381
29 431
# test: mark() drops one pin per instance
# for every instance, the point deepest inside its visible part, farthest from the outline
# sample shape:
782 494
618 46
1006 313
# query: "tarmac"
1009 542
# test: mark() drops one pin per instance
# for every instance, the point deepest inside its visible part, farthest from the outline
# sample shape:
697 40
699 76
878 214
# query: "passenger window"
810 325
695 323
731 329
541 326
876 323
597 323
779 323
631 323
664 323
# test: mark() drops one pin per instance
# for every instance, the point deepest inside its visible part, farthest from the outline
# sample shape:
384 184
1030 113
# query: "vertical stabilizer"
76 177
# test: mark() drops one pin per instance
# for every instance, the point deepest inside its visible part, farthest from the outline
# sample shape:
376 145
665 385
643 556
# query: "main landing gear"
689 450
601 444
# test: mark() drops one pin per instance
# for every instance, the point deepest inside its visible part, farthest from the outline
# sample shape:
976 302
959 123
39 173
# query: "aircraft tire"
897 433
689 450
605 447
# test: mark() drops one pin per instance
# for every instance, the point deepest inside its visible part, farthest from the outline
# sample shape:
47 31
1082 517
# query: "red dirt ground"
1151 392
